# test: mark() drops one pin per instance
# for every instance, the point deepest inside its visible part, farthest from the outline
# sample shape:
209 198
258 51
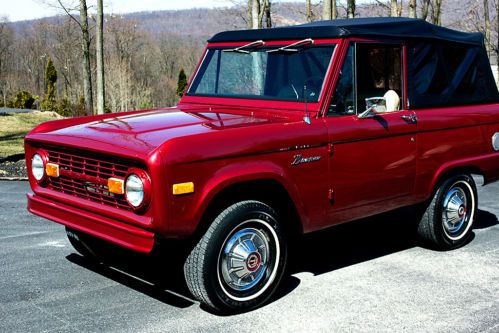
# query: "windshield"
277 75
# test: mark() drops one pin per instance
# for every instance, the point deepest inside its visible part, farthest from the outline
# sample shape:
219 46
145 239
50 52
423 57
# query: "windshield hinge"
240 49
289 48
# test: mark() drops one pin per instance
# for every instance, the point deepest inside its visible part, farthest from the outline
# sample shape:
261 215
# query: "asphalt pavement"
366 276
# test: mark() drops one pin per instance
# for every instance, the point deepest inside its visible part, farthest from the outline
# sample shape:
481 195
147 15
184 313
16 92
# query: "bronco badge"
300 160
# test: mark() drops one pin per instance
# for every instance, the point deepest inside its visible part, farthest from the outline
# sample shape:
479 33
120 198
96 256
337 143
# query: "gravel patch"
13 170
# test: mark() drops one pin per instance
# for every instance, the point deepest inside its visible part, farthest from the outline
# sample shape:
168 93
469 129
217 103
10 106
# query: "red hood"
139 133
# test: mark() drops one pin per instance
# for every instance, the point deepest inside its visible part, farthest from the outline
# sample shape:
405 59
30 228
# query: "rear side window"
443 74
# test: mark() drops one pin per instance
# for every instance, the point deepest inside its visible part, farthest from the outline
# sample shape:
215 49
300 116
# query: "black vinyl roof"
402 28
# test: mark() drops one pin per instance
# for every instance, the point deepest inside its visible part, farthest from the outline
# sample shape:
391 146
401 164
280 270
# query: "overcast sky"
18 10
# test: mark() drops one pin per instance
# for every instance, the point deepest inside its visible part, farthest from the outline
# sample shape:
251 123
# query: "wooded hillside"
145 52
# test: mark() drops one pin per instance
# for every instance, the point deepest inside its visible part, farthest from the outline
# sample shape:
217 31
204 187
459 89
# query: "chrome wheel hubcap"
455 211
244 259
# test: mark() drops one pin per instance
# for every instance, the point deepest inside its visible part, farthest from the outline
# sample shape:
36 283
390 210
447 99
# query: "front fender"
187 211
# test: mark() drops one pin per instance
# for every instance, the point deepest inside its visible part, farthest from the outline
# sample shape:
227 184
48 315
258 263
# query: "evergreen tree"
23 100
182 83
49 103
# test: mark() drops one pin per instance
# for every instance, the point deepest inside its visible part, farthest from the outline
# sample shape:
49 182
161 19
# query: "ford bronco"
281 132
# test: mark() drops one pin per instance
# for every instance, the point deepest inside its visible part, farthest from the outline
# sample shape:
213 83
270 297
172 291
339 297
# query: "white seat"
392 101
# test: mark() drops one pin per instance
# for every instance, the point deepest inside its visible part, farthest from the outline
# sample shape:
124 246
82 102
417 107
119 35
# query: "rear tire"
447 222
238 263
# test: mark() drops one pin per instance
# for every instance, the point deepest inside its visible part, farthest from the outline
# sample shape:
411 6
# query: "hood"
138 134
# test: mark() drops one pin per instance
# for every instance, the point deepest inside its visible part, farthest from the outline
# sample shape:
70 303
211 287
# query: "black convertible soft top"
402 28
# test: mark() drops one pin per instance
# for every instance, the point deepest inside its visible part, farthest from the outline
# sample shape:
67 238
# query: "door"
372 164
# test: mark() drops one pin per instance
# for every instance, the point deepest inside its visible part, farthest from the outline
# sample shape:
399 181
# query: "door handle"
410 118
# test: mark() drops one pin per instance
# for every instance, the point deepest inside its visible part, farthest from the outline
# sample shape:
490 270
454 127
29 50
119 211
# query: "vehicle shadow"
485 220
363 240
354 242
161 275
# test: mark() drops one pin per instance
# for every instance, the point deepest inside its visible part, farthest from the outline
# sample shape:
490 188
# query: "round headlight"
134 190
37 167
495 141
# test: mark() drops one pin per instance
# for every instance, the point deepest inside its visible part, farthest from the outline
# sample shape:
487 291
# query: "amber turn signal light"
183 188
116 185
52 169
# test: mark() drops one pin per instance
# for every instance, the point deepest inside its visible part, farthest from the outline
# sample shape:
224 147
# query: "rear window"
444 74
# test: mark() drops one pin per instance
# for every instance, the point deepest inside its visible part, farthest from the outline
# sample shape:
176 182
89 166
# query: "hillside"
200 23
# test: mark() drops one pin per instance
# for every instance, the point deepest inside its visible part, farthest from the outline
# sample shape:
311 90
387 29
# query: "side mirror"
369 113
374 105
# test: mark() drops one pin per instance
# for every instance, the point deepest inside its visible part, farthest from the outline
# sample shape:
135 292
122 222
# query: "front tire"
84 244
238 263
447 222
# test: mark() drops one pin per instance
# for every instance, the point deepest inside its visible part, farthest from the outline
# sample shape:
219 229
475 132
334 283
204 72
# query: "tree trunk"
393 8
268 14
329 10
255 14
250 14
437 14
412 9
100 58
351 8
85 47
326 10
497 40
425 9
309 10
486 17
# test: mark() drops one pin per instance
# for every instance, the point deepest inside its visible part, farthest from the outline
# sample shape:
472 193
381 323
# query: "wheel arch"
268 190
445 173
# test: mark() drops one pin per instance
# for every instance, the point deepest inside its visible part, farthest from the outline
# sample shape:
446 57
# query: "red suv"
280 132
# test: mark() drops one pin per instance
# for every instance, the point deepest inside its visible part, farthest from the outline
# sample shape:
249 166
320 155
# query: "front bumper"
123 234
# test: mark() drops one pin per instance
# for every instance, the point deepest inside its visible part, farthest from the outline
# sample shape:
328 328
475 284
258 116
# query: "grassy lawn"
14 126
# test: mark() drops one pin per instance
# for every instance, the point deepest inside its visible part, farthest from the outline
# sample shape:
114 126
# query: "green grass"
14 126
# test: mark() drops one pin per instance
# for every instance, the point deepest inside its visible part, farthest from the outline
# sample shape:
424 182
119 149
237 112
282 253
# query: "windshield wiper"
292 47
241 49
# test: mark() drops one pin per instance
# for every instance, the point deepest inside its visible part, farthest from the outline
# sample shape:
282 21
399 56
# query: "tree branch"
70 15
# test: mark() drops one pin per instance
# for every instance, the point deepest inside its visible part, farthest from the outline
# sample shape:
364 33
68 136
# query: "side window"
379 68
343 102
370 72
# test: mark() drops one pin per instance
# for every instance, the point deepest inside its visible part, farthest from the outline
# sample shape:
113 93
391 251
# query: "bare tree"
437 12
85 49
425 9
257 11
255 14
412 9
351 8
249 20
100 58
268 14
497 40
329 10
393 8
488 28
6 35
310 14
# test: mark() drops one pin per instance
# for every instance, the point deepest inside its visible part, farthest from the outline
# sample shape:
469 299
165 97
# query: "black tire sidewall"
443 238
228 225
